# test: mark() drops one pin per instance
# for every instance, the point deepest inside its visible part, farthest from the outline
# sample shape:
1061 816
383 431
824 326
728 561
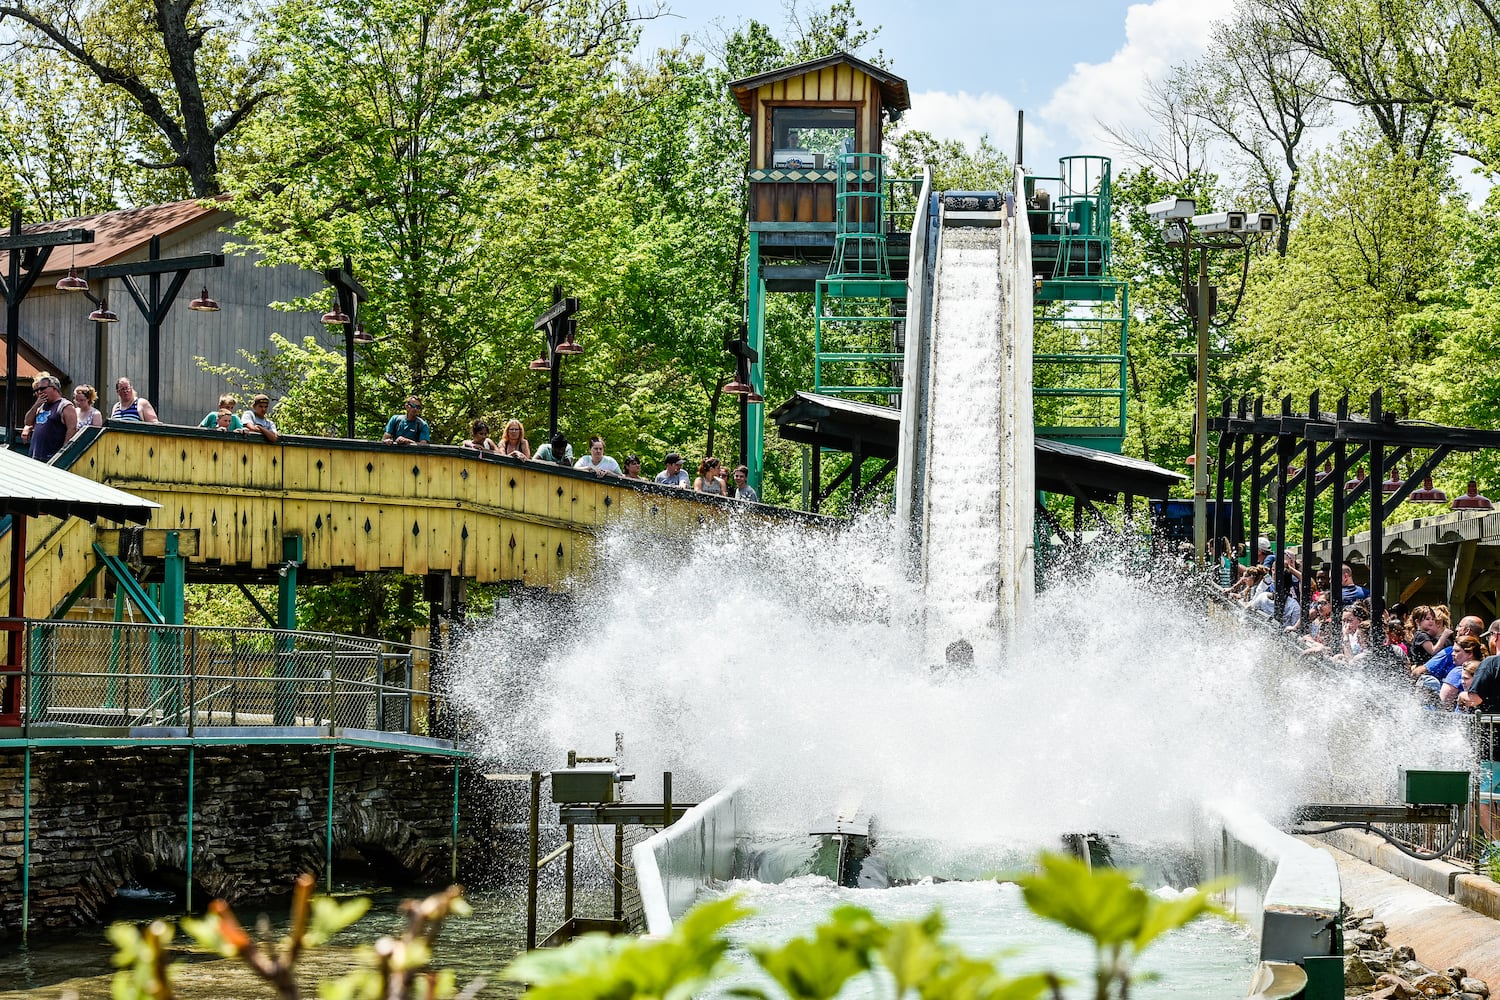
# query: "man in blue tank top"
56 419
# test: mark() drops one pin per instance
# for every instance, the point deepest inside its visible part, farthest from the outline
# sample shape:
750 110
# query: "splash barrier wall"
672 865
1286 889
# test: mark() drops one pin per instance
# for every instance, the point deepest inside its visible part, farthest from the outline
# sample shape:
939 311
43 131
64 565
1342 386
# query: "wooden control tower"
821 206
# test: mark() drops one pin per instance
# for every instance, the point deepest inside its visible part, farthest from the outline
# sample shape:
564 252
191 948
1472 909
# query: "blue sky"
971 65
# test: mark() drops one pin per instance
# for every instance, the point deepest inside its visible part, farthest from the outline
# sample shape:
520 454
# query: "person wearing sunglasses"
409 428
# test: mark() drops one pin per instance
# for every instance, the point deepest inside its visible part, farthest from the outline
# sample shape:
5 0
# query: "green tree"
455 151
1259 94
1332 314
65 140
189 70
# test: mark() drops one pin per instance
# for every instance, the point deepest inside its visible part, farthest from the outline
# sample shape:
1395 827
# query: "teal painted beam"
755 325
173 581
53 742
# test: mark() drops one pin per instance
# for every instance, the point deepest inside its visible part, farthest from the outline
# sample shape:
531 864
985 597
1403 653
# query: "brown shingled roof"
119 234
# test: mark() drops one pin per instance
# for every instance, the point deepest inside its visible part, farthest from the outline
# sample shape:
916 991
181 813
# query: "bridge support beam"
292 555
448 598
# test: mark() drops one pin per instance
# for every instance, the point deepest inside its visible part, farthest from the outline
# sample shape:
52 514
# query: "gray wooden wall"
56 323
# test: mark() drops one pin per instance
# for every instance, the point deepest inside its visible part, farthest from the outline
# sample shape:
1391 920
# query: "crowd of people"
1454 667
409 428
53 420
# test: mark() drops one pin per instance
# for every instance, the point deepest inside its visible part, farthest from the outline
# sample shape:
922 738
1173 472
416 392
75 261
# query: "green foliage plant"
395 967
912 956
1122 918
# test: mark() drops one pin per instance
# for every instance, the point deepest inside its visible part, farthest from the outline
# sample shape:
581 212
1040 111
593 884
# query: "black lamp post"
560 329
28 257
745 356
155 303
1187 231
350 293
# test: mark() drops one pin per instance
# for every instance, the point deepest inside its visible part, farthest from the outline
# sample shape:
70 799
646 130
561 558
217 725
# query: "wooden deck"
359 507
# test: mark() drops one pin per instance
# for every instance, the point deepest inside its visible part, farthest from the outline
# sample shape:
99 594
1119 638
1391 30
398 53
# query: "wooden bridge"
356 506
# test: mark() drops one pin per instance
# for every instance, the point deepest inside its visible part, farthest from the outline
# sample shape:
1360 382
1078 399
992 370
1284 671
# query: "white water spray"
789 656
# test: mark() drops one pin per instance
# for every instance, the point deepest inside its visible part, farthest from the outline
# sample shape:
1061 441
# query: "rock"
1456 973
1471 985
1375 928
1377 961
1357 975
1434 984
1401 987
1361 941
1470 996
1356 917
1403 954
1412 969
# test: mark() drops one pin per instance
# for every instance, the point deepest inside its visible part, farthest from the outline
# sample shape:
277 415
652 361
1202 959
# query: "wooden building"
802 118
56 325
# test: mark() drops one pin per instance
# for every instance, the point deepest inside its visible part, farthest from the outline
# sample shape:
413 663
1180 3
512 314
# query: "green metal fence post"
192 764
453 864
26 848
286 619
534 824
328 832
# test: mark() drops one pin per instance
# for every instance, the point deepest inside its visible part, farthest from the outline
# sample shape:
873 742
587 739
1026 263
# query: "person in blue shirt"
1435 671
408 429
1353 592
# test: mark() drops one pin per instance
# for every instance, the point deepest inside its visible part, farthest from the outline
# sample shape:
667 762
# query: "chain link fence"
118 675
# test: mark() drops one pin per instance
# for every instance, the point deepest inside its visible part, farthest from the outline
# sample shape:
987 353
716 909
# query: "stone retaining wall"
101 816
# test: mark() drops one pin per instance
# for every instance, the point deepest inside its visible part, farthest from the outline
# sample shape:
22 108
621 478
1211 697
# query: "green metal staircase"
1082 318
859 308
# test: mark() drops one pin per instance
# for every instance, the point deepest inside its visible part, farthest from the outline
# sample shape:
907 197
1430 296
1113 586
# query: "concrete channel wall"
673 865
1288 891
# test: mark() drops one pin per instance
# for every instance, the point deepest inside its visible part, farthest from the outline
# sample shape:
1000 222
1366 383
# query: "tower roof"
893 92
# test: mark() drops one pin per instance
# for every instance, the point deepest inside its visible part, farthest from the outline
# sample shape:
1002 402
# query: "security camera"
1220 222
1260 222
1171 208
1173 236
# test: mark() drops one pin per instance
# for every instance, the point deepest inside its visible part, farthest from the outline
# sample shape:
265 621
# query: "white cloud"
1158 36
967 117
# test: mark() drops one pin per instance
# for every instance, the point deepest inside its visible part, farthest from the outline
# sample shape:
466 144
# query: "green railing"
117 679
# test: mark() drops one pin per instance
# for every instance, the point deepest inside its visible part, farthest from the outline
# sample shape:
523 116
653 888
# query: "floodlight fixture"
1171 209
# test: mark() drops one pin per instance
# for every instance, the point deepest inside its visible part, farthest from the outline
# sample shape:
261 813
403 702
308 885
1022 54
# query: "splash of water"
789 656
962 534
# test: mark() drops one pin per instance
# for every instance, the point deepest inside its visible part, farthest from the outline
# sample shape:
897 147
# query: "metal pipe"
619 867
565 850
328 829
1377 525
534 824
567 873
1200 418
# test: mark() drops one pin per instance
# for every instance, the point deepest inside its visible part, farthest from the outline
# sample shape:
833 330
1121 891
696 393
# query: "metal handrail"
288 678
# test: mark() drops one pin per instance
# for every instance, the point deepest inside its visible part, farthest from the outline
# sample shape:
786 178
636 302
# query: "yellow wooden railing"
358 506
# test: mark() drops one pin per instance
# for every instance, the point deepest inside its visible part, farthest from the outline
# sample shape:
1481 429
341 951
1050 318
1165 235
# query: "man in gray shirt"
672 475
